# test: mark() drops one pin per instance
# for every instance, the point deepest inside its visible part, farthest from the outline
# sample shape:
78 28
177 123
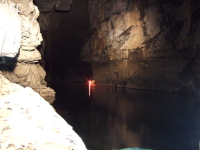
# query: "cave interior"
152 47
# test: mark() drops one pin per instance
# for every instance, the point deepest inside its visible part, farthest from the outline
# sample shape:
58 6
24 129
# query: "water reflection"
119 118
110 117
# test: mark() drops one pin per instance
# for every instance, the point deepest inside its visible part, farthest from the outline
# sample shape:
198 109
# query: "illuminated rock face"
20 33
149 44
29 122
10 30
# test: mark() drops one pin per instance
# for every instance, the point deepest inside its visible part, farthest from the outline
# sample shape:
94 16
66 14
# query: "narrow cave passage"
64 40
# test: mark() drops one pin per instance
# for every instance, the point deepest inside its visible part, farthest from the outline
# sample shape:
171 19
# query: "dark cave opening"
64 38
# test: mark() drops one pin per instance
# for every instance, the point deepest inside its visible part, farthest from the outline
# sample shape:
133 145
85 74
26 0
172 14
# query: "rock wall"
149 44
20 33
28 122
49 22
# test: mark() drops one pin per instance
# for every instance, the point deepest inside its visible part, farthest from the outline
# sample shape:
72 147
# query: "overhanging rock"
45 5
48 5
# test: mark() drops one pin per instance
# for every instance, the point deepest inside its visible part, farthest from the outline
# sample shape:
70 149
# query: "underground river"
115 118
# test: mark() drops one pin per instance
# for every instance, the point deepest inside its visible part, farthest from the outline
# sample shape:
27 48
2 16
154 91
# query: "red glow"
91 82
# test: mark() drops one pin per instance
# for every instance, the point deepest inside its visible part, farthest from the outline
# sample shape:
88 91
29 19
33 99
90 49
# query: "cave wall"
149 44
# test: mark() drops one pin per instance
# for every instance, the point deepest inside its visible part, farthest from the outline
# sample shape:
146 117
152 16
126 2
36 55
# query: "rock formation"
28 122
20 33
150 44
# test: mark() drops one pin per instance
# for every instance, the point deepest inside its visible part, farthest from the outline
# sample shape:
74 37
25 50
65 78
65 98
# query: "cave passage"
66 34
143 57
116 118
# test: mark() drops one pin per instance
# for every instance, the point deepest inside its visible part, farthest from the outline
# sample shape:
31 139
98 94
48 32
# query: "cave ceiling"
48 5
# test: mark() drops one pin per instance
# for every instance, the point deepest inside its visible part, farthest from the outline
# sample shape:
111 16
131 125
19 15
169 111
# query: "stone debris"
28 122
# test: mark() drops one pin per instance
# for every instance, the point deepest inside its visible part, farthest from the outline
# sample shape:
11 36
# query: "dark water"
119 118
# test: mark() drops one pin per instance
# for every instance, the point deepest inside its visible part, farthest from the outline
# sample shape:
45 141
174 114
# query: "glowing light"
90 83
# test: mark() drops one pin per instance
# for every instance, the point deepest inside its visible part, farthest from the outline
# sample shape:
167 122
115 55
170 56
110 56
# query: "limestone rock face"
20 33
148 44
27 121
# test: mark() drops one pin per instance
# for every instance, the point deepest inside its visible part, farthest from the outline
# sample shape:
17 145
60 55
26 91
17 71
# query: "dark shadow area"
64 40
8 63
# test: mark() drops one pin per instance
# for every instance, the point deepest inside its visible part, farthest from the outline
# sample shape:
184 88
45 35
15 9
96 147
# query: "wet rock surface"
149 44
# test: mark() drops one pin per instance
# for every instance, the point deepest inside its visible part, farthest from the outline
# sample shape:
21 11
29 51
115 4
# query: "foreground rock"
28 122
